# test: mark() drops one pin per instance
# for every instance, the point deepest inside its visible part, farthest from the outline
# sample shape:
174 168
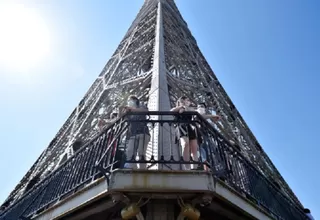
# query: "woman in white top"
186 132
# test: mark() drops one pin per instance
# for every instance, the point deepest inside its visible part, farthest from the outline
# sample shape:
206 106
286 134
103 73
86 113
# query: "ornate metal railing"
245 177
116 148
74 174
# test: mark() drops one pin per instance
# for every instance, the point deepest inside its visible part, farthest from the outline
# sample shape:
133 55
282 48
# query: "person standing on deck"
186 133
204 148
138 133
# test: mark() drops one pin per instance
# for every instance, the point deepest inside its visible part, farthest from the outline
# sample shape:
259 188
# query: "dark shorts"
186 131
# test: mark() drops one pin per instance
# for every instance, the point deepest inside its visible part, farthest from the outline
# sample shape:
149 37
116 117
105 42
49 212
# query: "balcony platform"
155 184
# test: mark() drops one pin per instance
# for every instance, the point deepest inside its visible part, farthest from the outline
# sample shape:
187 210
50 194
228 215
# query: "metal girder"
128 81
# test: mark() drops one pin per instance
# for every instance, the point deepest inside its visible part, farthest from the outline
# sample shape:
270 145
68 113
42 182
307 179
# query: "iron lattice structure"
158 60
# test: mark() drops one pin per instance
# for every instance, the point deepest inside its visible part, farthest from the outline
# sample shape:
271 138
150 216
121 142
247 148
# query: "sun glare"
24 37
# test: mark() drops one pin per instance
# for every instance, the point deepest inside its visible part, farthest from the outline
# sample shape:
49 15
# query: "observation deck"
94 183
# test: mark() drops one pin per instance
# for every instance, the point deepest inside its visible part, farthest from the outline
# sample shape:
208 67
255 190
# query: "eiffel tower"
79 176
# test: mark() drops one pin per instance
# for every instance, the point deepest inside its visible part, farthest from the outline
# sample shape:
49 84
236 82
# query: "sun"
24 37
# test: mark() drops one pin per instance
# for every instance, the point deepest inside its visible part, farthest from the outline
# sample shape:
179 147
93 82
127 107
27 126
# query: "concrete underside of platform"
156 185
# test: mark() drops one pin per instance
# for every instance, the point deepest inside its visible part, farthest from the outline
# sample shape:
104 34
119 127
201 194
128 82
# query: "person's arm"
177 109
101 122
214 118
110 121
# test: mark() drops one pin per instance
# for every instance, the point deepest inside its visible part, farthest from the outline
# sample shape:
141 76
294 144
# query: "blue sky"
266 54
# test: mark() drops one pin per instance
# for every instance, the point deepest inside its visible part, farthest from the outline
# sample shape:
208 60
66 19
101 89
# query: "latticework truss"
130 71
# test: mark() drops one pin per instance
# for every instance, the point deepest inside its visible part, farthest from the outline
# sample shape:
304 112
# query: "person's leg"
193 144
204 155
194 149
184 141
131 152
142 148
203 152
